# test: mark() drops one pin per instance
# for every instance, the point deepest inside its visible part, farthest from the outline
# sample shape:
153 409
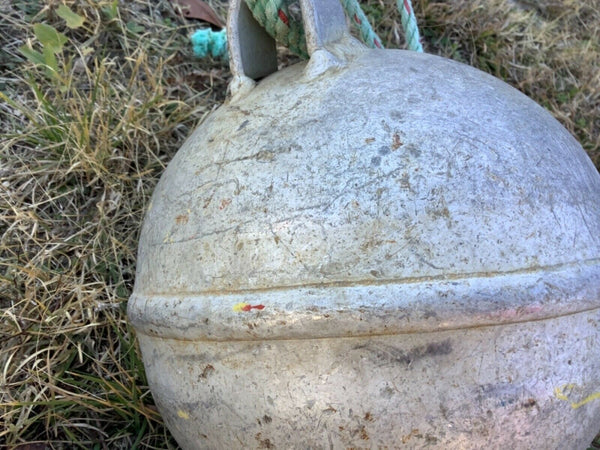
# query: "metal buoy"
374 249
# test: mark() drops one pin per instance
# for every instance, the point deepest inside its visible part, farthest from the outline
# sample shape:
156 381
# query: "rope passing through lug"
285 26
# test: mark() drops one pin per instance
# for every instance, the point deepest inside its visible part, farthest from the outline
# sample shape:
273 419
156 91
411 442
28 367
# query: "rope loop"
277 17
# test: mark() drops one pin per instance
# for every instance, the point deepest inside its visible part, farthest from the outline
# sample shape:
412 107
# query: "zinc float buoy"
374 248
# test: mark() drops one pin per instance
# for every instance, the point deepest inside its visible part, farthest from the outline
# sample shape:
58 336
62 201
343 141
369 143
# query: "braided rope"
356 14
274 16
409 25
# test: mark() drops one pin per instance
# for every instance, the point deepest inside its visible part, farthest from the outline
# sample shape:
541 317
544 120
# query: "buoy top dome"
401 166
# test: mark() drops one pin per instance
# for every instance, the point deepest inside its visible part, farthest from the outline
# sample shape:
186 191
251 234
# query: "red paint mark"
406 6
377 43
249 307
283 17
357 20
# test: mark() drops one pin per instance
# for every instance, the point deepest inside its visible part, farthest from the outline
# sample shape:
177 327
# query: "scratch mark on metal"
287 248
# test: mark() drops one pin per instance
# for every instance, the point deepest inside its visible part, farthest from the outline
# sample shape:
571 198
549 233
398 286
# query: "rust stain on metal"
207 371
396 142
406 438
263 443
182 219
225 203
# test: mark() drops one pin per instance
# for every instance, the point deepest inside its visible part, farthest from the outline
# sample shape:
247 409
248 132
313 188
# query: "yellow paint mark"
240 307
559 393
183 414
589 398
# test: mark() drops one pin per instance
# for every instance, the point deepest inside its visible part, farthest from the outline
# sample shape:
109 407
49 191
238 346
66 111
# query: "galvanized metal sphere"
440 171
403 250
374 249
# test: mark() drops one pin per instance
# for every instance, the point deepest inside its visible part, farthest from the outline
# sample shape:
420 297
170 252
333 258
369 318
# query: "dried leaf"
197 9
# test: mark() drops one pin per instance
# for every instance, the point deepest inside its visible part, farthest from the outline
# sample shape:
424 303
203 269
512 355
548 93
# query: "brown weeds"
82 149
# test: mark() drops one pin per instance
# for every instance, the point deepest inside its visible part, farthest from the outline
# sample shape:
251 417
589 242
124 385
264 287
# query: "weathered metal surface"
488 387
381 248
443 172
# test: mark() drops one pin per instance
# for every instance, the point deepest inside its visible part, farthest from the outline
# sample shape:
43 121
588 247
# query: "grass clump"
96 96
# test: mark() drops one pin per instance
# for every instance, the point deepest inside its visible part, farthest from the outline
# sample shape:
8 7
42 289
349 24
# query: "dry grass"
82 151
83 147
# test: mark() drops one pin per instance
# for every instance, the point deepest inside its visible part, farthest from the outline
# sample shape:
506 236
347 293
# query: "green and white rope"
409 25
274 16
286 29
359 19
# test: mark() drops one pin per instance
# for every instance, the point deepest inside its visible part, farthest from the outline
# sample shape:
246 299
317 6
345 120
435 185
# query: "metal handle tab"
253 54
324 23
